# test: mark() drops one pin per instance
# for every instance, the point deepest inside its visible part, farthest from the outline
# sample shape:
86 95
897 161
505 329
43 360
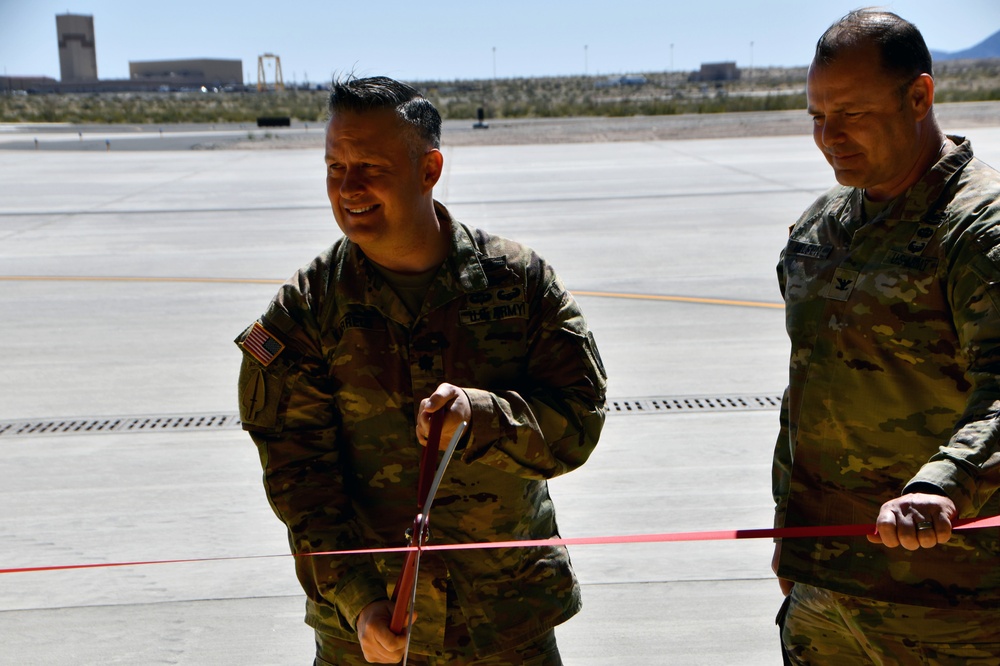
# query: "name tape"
711 535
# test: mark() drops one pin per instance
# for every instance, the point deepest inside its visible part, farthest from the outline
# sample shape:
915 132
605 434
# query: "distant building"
77 52
182 73
626 80
78 68
9 84
716 71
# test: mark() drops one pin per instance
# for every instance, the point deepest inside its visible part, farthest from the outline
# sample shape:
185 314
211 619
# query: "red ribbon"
715 535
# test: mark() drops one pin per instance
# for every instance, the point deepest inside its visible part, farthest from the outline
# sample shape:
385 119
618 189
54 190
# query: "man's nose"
831 132
352 183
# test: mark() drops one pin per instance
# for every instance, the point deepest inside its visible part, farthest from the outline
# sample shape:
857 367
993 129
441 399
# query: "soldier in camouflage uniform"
410 314
892 288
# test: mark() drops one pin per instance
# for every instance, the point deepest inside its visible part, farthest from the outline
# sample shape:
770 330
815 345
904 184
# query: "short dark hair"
899 43
382 93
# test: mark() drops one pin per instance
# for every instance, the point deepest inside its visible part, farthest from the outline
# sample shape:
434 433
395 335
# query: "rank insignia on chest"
260 344
842 284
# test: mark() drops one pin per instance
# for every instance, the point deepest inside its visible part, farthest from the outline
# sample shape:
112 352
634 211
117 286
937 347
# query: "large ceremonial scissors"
405 593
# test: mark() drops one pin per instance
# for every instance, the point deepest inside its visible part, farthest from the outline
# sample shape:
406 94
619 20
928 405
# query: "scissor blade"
421 534
442 466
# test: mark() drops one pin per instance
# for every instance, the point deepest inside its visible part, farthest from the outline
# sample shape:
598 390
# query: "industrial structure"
279 82
77 50
78 68
214 72
716 71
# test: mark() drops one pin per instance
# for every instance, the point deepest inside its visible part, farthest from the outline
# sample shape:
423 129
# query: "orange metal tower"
279 82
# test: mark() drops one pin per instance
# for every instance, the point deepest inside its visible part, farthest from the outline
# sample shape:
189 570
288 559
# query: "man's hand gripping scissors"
405 593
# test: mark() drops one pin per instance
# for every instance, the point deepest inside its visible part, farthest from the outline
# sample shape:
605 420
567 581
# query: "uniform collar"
922 197
925 193
361 284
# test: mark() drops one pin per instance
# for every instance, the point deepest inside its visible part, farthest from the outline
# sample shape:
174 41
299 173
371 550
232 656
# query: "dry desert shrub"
651 93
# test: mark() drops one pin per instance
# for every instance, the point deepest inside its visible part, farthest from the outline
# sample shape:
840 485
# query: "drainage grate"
678 404
201 422
119 424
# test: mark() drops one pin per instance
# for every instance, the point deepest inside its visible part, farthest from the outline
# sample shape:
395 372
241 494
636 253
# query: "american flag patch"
262 345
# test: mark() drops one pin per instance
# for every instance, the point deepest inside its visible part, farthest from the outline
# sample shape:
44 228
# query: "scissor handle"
428 459
402 594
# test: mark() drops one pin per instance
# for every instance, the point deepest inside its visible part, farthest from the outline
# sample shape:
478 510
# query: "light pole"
494 63
585 68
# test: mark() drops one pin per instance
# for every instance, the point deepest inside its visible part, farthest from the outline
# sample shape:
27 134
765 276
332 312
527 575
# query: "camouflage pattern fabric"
541 651
824 628
893 383
330 385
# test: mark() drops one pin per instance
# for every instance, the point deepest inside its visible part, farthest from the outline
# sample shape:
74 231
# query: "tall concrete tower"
77 53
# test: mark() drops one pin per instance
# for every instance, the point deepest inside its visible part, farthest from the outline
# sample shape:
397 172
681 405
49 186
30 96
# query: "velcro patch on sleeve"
260 344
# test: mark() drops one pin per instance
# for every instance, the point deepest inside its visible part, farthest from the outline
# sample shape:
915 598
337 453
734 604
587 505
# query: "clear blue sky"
419 40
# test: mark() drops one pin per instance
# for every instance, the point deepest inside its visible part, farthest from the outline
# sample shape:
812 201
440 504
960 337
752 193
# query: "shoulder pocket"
595 359
260 391
260 385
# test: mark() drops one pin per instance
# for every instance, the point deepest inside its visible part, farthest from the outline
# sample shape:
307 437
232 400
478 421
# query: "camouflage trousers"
823 627
542 651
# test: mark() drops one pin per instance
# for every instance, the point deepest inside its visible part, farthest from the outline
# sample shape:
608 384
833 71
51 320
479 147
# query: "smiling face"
868 123
379 182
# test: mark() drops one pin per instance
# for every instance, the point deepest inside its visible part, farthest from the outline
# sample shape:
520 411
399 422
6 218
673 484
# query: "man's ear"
921 95
432 163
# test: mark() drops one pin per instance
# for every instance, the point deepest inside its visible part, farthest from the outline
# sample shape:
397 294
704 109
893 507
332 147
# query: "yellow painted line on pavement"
599 294
681 299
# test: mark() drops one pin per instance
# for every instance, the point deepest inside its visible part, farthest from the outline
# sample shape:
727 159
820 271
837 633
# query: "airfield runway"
126 273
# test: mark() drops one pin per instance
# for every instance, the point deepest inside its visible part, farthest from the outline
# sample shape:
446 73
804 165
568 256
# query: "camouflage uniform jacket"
329 393
893 383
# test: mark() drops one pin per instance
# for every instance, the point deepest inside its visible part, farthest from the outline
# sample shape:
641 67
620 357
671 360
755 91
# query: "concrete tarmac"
125 276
